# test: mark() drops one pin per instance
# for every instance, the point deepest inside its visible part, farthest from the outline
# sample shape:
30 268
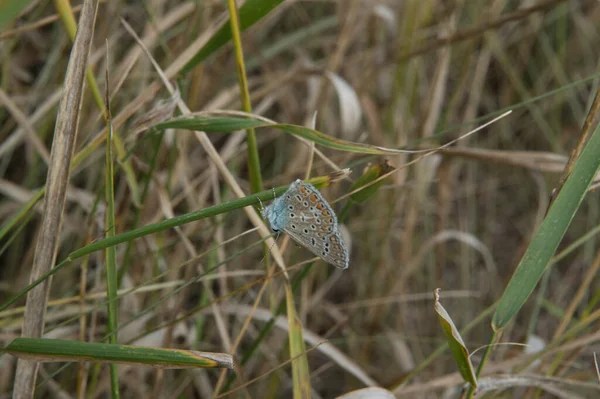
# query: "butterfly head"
273 213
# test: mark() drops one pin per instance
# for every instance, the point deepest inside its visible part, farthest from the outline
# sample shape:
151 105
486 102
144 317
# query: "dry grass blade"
557 386
65 135
534 160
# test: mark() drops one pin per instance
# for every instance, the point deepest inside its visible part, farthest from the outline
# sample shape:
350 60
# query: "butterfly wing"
330 248
312 223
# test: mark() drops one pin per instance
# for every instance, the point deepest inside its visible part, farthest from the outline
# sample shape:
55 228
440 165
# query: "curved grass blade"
230 124
111 252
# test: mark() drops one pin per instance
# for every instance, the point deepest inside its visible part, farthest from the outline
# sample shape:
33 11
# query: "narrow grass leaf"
459 350
111 257
300 371
254 169
249 13
551 231
227 125
56 350
211 124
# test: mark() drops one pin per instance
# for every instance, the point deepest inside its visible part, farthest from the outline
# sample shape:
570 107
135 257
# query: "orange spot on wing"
313 198
325 213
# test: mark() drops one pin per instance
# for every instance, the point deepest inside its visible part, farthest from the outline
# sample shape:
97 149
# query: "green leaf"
111 259
459 350
56 350
550 233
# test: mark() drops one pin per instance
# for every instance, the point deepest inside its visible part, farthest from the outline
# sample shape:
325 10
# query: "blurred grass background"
396 74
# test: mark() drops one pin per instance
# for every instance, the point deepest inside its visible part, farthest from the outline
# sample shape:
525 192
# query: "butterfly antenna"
274 241
270 248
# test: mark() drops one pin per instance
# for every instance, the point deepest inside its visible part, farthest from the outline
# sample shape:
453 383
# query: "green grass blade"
111 261
211 124
54 350
253 157
227 125
300 370
251 12
551 231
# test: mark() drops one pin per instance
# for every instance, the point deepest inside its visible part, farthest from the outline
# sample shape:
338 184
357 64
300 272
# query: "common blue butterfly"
304 215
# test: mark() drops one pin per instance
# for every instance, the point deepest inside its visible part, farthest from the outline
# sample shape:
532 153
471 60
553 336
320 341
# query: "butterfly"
305 215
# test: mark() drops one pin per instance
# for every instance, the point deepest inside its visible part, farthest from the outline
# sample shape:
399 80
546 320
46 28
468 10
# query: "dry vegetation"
390 73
